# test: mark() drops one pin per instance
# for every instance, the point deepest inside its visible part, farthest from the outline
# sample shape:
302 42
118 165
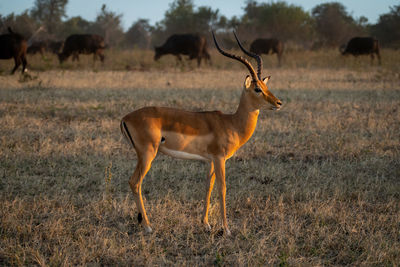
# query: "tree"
139 34
179 18
275 19
23 24
334 25
182 17
387 30
205 19
108 25
74 25
49 13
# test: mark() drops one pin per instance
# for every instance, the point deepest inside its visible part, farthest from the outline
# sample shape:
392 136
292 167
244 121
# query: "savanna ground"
317 184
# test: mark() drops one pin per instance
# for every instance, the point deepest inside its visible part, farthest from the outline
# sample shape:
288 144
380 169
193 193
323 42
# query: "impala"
209 136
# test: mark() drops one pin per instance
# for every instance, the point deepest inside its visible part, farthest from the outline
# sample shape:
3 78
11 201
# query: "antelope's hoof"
227 232
148 229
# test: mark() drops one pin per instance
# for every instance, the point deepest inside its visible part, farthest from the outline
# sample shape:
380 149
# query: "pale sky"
154 10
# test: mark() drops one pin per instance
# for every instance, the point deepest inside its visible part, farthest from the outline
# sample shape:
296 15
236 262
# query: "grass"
143 60
317 184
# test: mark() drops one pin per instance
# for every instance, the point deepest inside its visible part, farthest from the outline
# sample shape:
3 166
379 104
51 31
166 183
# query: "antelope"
209 136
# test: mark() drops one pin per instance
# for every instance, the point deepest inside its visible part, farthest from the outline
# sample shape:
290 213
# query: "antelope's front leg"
219 166
209 187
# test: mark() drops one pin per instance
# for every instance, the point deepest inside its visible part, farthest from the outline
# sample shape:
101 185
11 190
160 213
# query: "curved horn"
253 55
239 58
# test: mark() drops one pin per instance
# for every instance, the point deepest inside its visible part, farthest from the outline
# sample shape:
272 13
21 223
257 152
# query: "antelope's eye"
257 90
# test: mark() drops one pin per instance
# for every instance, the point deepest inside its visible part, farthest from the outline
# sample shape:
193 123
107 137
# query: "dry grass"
143 60
318 183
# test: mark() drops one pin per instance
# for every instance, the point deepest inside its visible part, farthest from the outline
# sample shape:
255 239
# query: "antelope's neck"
245 119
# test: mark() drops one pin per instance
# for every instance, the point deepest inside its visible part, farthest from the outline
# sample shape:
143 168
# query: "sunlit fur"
265 97
210 136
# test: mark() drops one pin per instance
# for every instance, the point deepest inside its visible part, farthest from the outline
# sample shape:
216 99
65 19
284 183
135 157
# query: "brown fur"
210 136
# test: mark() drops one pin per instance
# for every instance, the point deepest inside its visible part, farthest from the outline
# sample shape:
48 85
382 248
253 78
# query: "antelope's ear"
247 82
266 79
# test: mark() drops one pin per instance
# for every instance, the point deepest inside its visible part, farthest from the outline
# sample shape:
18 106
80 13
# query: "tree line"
327 25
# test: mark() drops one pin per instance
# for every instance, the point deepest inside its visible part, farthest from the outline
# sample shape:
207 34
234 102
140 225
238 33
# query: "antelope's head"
255 87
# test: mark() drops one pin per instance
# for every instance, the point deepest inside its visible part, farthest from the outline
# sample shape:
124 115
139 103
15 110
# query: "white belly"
180 154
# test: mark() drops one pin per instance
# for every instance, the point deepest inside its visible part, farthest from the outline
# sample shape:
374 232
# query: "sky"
154 10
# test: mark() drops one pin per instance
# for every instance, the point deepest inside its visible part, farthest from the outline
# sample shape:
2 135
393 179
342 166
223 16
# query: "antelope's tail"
125 132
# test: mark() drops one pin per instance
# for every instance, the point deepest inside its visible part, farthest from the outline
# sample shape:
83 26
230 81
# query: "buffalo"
264 46
193 45
13 45
37 47
362 46
83 44
55 47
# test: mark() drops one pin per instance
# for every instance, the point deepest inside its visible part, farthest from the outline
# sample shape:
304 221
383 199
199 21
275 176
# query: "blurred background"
310 33
135 24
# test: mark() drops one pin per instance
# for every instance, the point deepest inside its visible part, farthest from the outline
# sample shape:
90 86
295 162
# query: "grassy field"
317 184
143 60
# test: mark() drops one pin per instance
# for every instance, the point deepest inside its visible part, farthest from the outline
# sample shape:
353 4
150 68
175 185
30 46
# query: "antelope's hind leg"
135 182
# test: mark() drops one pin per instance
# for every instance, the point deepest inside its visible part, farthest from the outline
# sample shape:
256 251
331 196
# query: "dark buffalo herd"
41 47
83 44
55 47
192 45
265 46
362 46
13 45
37 47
